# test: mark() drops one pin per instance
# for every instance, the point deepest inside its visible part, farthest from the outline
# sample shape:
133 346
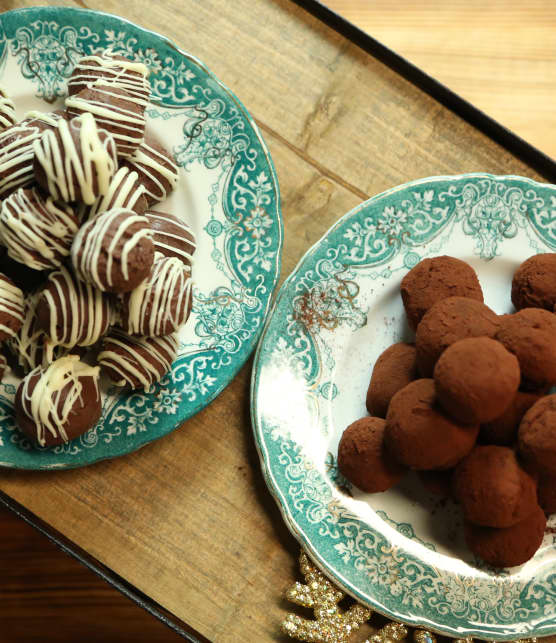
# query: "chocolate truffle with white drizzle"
114 70
36 231
12 308
72 312
156 168
56 404
114 251
16 157
115 110
125 191
7 110
173 237
136 362
76 160
162 303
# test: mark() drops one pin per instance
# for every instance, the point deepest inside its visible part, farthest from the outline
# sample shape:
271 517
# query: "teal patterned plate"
228 192
400 552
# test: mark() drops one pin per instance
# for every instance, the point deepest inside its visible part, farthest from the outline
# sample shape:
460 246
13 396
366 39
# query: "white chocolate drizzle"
42 119
157 169
173 237
78 162
16 157
108 234
12 305
126 74
160 304
79 314
7 110
50 395
115 111
124 191
137 362
36 231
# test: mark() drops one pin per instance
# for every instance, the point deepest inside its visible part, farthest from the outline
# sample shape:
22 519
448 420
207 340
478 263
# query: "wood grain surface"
188 519
499 55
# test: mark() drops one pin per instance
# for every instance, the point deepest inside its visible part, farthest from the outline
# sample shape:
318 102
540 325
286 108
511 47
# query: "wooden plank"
500 55
188 520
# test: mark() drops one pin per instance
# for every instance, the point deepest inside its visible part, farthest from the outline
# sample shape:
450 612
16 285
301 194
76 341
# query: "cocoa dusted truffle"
112 69
419 436
12 308
72 312
448 321
136 362
7 110
114 251
510 546
476 379
492 488
56 404
432 280
503 430
534 283
76 160
395 368
36 231
437 482
124 191
115 111
162 303
547 493
156 168
362 458
529 335
537 436
172 237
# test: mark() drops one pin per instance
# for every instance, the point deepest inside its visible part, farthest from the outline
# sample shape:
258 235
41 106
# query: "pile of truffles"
467 405
92 280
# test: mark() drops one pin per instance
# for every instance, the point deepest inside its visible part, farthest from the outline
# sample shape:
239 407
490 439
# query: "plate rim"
299 535
249 346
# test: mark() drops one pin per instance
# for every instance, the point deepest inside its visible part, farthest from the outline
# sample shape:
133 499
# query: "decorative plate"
228 192
400 552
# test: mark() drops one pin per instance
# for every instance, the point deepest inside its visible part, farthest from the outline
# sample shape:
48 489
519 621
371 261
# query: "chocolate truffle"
7 110
156 168
503 430
362 458
507 547
44 120
3 366
76 160
112 69
537 436
16 157
529 335
162 303
534 283
476 380
125 191
30 347
448 321
492 488
56 404
136 362
395 368
172 237
114 251
72 312
115 110
432 280
12 307
547 493
419 436
36 231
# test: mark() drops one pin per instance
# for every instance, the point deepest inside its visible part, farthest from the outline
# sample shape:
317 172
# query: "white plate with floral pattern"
228 192
400 552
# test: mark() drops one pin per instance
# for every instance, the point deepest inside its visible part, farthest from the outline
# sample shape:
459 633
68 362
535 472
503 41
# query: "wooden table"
187 521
